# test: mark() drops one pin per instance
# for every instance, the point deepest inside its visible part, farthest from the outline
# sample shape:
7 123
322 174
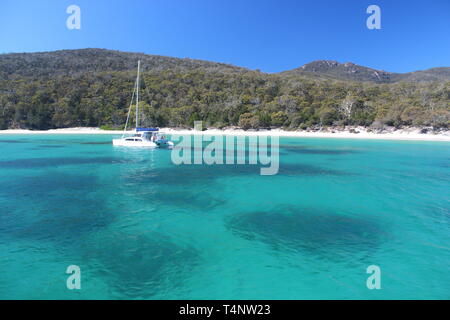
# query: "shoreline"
346 134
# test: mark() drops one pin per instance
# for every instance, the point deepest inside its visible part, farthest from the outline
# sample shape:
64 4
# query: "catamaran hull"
125 143
146 144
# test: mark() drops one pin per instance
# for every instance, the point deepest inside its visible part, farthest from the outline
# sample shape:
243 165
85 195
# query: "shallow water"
140 227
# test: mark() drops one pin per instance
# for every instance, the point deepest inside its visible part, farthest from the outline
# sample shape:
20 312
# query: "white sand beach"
353 133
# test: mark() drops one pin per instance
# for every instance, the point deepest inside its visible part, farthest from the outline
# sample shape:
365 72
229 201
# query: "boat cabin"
148 134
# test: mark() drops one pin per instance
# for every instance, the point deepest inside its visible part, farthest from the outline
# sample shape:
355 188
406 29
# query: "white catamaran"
141 137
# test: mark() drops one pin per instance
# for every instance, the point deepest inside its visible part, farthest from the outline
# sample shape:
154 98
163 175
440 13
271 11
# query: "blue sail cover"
146 129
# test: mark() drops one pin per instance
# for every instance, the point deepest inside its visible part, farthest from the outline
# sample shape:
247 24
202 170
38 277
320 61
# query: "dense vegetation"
93 88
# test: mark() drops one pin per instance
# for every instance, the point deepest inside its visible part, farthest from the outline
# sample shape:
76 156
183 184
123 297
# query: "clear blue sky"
271 35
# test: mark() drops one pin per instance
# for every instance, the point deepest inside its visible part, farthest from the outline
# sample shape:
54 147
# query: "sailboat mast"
137 95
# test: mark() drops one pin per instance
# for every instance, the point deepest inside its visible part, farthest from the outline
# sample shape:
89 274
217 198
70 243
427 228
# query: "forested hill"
73 62
93 87
328 69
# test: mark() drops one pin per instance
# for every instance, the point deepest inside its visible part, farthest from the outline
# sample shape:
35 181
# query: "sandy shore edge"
396 135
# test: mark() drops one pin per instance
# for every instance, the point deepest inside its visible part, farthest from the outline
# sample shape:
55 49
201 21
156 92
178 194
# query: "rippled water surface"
140 227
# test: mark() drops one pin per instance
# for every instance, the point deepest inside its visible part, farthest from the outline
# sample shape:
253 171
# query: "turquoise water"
140 227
